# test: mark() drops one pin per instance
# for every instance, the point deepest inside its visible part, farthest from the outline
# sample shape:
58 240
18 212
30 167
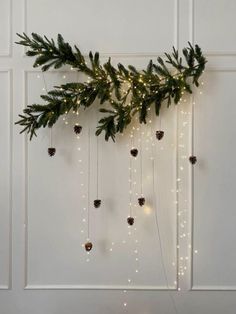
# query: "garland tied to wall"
124 92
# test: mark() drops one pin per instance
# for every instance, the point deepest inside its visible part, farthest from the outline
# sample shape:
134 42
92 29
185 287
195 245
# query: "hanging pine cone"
159 135
134 152
88 246
130 221
51 151
77 129
97 203
193 159
141 201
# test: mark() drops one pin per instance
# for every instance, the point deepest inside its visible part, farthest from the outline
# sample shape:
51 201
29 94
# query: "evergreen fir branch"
128 91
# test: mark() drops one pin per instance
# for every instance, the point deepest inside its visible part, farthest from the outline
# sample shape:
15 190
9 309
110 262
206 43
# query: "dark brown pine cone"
130 221
77 129
141 201
88 246
134 152
97 203
159 134
193 159
51 151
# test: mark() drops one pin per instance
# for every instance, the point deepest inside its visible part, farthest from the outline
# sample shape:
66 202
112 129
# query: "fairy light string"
181 155
157 205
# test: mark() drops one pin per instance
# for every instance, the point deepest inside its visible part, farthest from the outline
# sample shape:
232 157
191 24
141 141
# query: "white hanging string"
141 163
130 176
50 135
46 89
44 82
97 166
88 198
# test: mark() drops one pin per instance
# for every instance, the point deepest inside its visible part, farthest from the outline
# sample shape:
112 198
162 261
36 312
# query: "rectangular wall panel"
214 184
5 29
5 180
214 25
87 24
57 205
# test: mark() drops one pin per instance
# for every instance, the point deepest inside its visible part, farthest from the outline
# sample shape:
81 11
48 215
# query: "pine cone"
51 151
134 152
77 129
97 203
130 221
159 135
88 246
141 201
193 159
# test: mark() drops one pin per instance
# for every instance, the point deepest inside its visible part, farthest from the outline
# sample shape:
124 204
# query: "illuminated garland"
123 91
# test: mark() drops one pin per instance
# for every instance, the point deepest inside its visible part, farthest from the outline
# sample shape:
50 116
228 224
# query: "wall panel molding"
8 52
29 286
225 53
106 54
8 72
193 287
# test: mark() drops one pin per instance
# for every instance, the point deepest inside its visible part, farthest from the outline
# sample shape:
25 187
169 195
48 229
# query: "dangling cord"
141 164
97 202
44 82
51 149
50 135
97 168
88 245
154 192
88 187
130 177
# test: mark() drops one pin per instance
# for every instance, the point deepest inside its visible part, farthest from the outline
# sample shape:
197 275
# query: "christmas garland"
124 91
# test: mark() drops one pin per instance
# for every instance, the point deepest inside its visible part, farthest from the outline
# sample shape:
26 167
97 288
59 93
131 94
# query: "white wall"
43 267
